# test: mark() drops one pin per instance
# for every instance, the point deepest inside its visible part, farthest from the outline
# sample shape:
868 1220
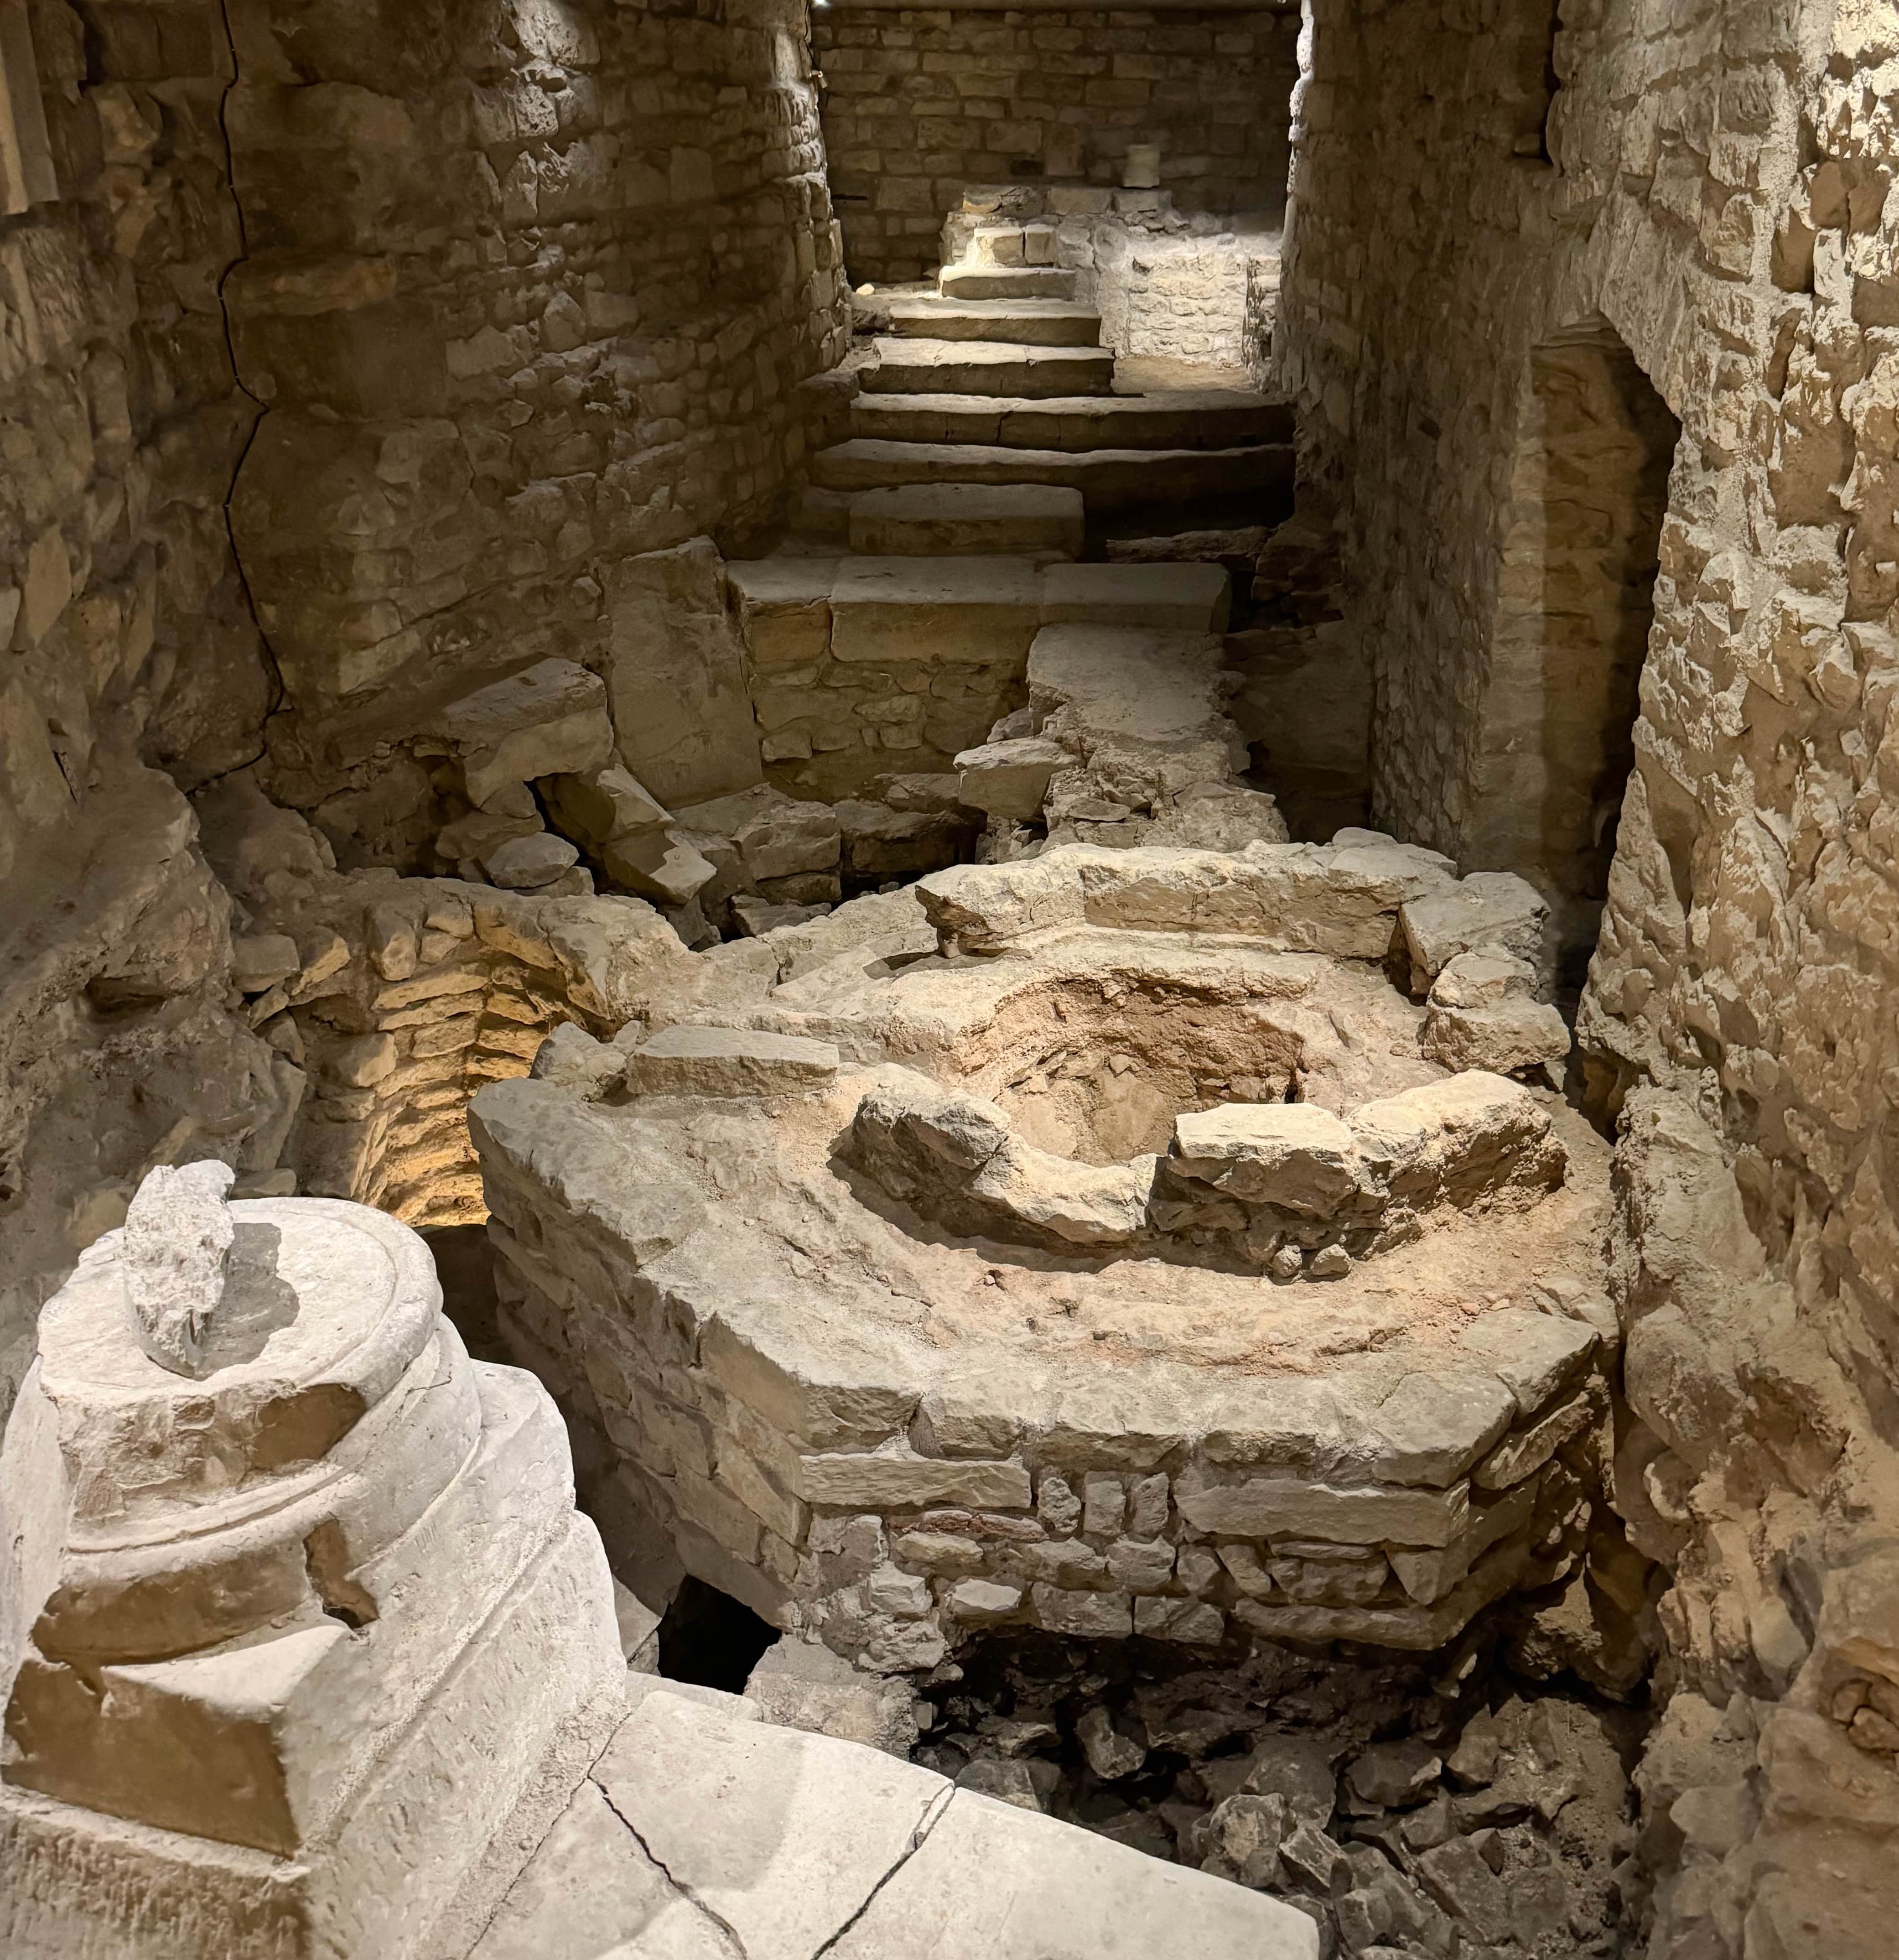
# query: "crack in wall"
279 693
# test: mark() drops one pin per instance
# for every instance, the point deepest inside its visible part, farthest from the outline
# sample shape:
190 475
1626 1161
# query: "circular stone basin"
857 1355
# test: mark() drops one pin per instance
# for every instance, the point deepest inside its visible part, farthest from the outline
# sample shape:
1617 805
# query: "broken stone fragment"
781 842
1112 1753
1487 909
571 1058
728 1061
526 863
550 719
657 865
259 960
1009 778
1394 1775
1219 816
596 805
1483 1013
178 1236
1243 1837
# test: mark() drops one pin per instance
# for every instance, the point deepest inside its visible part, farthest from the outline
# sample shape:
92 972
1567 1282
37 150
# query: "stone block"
1009 778
896 1480
1293 1155
550 719
685 1061
1279 1507
954 612
677 673
1084 1616
1194 1621
1485 910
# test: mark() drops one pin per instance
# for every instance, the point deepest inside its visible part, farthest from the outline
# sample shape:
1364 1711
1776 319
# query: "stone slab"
1189 598
988 367
928 519
994 1881
959 612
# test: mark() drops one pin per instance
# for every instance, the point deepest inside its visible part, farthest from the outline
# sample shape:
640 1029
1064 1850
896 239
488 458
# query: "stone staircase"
991 419
942 632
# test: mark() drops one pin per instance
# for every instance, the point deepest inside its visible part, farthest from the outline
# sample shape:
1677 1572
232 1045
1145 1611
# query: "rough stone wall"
919 104
129 639
1719 196
532 288
491 300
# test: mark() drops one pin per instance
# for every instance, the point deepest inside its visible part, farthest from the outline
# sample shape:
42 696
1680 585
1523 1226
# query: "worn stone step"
958 519
1181 598
988 367
1006 282
1110 480
1211 419
1023 323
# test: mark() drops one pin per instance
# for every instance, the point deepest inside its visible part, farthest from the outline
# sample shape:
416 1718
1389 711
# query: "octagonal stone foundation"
1137 1274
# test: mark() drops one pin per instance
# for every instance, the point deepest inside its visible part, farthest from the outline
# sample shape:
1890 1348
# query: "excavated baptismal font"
947 964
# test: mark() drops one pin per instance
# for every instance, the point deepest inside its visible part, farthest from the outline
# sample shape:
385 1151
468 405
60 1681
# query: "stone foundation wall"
472 309
898 1526
530 290
1712 185
919 104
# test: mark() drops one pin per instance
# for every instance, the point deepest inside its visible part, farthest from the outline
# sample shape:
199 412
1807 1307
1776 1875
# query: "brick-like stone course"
919 103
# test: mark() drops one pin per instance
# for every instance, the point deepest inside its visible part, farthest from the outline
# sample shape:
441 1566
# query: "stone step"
1179 598
1006 282
1110 480
988 367
1209 418
960 520
1023 323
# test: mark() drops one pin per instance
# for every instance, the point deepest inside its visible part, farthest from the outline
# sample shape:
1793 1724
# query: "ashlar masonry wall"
1710 184
919 103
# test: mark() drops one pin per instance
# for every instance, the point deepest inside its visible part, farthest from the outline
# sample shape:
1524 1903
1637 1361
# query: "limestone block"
789 837
1084 1616
571 1058
676 676
1053 1892
711 1800
1009 778
685 1061
1195 598
1294 1155
977 906
783 606
801 1683
1536 1356
1435 1423
526 863
1140 1565
659 865
259 960
1077 1204
982 1602
1507 1037
550 719
1453 1141
596 805
1486 909
1280 1507
895 1479
1193 1622
950 612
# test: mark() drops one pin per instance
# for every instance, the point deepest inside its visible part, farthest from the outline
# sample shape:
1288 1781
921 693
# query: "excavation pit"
907 1322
